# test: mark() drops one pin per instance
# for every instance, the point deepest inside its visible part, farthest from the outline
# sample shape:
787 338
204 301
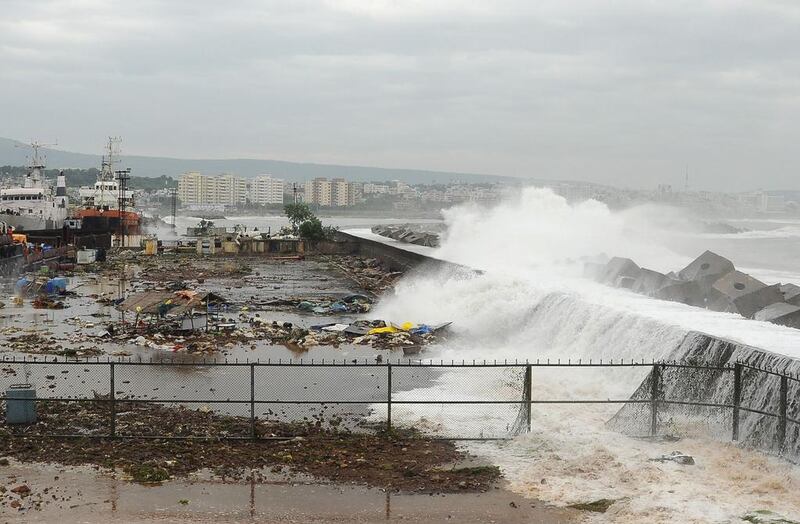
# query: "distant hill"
290 171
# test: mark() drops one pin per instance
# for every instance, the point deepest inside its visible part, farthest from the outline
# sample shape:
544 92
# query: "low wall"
398 259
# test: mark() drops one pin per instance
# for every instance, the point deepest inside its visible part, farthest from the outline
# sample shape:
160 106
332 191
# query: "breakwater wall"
753 396
398 259
759 390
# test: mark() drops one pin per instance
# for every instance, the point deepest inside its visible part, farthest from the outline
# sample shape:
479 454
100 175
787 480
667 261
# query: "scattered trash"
47 303
677 457
349 304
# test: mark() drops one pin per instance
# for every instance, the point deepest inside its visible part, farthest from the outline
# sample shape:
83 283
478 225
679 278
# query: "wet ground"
247 283
80 494
77 494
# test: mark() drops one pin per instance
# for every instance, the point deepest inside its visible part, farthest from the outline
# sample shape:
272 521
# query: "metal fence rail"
278 399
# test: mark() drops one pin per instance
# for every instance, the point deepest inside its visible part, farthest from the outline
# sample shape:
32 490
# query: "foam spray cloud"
537 228
530 304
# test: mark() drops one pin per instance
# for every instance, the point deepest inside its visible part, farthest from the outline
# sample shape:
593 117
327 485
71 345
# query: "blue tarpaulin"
55 285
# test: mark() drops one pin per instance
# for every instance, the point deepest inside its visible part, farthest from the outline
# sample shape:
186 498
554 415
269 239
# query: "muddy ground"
401 460
81 494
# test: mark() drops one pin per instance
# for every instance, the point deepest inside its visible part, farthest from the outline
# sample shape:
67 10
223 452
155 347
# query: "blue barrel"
21 404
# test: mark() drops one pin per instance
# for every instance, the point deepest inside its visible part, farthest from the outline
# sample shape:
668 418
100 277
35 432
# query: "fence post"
656 375
252 401
737 398
782 419
527 394
112 401
389 398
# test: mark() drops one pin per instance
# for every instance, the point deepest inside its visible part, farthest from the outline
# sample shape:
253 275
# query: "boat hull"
31 222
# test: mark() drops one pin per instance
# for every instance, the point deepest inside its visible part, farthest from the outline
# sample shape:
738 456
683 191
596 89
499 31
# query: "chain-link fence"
466 400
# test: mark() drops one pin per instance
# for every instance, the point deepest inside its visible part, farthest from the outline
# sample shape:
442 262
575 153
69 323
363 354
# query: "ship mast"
33 178
112 151
107 166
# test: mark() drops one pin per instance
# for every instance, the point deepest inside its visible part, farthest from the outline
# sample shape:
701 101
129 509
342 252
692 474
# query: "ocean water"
532 303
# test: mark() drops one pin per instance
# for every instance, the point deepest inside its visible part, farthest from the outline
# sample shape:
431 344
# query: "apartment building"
190 188
318 191
194 188
231 190
337 192
266 190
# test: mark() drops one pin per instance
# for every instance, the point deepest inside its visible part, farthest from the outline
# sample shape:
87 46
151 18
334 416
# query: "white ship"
105 193
33 206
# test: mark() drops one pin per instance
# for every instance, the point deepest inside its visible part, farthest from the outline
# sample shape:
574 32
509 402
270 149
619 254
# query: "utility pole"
174 195
294 190
686 188
122 178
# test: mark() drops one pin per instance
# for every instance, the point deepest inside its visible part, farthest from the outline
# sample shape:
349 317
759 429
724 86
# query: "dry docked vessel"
105 203
34 206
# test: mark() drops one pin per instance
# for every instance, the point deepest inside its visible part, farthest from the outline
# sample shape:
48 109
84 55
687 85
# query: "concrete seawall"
759 389
398 259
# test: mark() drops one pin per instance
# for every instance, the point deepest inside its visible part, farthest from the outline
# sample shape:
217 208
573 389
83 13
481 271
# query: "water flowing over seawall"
530 302
760 397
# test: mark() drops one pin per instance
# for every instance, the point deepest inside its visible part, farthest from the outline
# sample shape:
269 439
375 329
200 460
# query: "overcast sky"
619 92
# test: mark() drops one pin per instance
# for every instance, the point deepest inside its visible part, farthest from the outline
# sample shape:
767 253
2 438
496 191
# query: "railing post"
527 394
782 416
112 401
389 397
252 401
737 399
656 379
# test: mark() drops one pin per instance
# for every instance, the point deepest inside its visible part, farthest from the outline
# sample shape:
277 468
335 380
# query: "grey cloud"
617 92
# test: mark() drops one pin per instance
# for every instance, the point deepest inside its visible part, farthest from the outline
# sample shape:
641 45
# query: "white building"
266 190
339 192
371 188
194 188
231 190
318 191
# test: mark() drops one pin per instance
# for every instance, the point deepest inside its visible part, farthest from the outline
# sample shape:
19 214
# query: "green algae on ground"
597 506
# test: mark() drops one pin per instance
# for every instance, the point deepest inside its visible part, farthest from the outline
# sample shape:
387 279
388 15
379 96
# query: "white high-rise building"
194 189
231 190
318 191
266 190
190 190
339 192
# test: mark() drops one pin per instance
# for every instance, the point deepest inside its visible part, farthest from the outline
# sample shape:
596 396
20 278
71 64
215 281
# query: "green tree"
312 229
297 214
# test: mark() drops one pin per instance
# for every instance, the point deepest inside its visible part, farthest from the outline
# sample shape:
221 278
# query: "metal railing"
255 400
